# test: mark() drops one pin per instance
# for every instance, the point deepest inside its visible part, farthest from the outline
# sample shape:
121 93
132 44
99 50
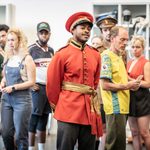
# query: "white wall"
110 2
30 12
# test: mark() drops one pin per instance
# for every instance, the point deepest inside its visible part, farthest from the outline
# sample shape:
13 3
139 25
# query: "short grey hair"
115 30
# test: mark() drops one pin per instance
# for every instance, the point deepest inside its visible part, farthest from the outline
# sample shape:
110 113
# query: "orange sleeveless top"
138 68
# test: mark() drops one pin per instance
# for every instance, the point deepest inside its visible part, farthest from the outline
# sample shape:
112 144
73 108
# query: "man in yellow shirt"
115 89
104 24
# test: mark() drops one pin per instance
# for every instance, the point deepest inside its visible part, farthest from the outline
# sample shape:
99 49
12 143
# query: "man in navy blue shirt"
41 53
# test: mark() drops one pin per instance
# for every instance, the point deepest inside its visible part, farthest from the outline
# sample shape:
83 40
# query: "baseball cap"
43 26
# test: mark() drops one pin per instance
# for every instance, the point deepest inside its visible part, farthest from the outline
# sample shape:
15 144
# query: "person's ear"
72 30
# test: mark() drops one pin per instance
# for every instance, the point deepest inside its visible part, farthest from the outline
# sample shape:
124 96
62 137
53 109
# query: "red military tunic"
76 64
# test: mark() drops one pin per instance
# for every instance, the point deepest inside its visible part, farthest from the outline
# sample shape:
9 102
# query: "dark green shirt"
1 62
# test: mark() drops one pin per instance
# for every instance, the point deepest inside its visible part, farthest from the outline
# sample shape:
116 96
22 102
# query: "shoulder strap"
4 63
24 58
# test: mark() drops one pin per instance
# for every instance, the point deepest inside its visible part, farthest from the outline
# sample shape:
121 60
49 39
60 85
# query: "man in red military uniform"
72 78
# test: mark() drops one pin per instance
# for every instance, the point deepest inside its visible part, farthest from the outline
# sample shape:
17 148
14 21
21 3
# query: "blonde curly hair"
22 44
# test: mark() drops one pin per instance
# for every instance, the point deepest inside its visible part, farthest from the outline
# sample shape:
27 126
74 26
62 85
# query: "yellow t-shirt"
114 69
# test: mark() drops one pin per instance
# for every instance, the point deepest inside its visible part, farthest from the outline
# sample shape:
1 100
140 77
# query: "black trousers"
69 133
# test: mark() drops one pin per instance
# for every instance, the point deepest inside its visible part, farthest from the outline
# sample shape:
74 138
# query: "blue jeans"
16 111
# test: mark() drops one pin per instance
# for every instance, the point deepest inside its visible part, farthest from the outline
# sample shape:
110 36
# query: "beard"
2 46
43 43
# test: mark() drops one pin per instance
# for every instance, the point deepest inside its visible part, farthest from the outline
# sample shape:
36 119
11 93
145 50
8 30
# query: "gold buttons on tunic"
85 68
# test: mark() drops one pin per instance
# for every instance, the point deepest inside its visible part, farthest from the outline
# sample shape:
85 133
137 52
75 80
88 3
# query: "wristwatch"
13 89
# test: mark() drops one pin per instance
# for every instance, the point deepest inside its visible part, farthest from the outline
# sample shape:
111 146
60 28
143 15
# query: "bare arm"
3 82
30 66
146 82
109 86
